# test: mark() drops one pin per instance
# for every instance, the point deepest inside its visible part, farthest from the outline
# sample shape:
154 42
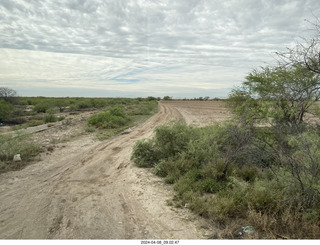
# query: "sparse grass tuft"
18 145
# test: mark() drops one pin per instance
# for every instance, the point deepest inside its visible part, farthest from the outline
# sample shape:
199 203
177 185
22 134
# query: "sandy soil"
88 189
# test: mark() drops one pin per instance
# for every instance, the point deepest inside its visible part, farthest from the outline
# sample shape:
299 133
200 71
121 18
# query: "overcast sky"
123 48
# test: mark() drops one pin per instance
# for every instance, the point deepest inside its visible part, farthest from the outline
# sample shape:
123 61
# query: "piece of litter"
248 229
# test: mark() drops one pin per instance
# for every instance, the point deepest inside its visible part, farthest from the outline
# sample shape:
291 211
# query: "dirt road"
89 189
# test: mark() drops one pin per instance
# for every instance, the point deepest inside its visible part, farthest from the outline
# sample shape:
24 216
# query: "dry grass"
284 226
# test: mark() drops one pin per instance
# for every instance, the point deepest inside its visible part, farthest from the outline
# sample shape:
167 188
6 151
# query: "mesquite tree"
8 94
306 53
283 94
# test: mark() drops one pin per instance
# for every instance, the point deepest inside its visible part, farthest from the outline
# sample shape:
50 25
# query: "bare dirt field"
83 188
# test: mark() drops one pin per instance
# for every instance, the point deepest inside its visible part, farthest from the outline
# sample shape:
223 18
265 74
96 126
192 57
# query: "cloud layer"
184 48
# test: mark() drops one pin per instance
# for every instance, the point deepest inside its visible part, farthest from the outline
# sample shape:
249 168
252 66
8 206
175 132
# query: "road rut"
91 190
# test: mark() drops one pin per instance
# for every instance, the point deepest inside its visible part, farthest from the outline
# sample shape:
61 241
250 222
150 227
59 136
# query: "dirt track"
90 190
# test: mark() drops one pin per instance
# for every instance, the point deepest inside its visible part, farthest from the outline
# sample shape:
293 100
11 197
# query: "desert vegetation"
109 116
266 177
260 169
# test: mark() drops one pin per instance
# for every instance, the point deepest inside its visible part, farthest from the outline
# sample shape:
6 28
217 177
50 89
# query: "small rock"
186 205
17 158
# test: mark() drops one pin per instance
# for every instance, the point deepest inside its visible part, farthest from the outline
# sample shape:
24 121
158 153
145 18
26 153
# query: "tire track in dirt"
93 192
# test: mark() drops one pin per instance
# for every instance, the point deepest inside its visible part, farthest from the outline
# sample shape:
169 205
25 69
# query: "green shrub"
248 173
186 181
175 167
203 146
41 107
73 107
84 104
5 110
145 154
215 170
146 108
161 168
118 111
33 123
173 139
89 128
209 185
169 141
196 202
98 103
221 208
50 118
265 196
114 118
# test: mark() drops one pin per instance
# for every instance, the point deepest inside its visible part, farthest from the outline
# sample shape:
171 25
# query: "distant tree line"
206 98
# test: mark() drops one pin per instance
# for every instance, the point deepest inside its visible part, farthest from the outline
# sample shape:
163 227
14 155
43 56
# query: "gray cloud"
149 37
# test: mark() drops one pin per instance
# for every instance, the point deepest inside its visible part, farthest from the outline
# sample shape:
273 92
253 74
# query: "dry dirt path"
91 190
